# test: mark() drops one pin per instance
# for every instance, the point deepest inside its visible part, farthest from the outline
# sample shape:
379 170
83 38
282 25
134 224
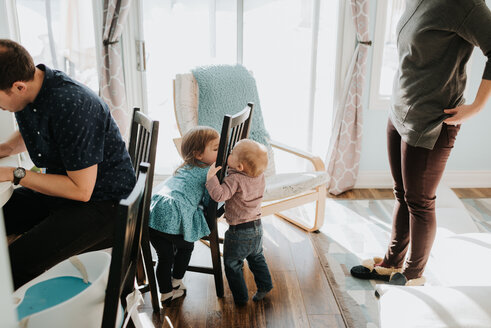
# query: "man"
69 131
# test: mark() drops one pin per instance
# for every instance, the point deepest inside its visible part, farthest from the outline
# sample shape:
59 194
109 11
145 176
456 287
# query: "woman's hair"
15 64
194 143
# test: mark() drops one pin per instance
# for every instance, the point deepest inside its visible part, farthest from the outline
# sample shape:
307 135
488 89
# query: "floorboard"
301 296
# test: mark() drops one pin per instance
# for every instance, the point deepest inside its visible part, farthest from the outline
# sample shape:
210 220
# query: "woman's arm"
476 29
463 113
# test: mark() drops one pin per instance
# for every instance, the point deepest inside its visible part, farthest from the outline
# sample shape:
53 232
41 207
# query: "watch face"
19 173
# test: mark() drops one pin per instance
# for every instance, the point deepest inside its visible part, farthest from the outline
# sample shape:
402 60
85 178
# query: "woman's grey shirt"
435 39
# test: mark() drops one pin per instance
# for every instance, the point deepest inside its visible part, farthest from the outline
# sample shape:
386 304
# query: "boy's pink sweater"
242 195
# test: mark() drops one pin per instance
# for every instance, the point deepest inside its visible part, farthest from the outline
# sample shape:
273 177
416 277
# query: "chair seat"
285 185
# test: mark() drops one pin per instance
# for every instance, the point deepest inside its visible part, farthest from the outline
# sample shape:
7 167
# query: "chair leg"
207 243
146 254
141 278
320 207
217 263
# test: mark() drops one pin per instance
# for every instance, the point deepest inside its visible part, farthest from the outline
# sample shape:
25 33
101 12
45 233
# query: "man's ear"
19 87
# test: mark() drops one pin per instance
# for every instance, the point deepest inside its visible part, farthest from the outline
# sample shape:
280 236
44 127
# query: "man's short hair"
16 64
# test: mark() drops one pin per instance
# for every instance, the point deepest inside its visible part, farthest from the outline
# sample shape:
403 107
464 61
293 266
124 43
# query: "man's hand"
212 171
14 145
6 173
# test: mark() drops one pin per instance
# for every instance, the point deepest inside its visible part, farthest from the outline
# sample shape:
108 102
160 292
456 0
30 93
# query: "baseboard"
374 179
467 179
453 179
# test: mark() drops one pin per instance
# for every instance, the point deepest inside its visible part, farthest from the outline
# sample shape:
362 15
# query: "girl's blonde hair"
194 143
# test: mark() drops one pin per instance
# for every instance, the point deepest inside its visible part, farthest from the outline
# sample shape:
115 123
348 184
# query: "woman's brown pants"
416 172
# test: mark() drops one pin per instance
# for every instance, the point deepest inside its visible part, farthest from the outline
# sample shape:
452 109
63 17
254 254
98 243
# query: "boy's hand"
212 171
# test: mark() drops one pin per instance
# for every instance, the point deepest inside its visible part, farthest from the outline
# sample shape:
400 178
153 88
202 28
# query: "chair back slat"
124 254
232 131
143 140
143 148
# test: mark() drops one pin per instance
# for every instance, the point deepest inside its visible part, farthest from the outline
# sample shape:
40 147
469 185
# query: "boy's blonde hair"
194 143
252 155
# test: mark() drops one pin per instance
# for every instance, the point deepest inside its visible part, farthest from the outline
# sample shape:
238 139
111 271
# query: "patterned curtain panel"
345 147
112 82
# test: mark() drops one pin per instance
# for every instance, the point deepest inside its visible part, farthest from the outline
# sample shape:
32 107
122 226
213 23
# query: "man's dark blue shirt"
69 128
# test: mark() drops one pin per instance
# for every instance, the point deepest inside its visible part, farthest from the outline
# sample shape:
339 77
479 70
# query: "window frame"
376 100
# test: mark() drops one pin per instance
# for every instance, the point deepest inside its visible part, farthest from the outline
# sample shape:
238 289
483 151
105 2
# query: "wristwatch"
19 173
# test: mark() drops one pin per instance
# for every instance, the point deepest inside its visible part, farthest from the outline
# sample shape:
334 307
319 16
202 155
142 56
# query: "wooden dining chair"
234 128
143 147
126 247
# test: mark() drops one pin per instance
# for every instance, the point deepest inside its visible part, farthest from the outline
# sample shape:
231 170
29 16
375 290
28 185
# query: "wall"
470 162
6 125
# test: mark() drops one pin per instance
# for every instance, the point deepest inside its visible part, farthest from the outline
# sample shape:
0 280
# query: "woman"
435 39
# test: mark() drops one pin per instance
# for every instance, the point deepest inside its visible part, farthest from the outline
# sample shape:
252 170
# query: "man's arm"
77 185
14 145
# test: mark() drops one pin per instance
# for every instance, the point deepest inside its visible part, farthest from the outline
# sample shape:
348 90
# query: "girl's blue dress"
174 209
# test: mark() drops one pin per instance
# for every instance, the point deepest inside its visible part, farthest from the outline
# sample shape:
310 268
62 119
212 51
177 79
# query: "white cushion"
290 184
426 306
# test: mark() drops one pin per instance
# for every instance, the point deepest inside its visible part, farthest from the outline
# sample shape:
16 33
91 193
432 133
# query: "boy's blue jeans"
240 244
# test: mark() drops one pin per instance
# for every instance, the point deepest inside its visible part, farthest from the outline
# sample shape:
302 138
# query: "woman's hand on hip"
461 114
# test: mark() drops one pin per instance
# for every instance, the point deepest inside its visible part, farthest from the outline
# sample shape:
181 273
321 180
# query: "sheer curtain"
112 80
345 147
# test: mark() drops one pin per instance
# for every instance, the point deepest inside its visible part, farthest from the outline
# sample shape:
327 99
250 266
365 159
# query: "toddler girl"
176 220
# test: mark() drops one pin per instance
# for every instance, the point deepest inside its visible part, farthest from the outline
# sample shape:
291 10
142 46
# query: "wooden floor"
301 296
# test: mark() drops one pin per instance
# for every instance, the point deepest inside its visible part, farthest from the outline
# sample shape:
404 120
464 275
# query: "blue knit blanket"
226 89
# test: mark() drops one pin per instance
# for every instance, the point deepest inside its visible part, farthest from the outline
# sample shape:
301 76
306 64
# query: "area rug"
480 210
359 229
353 230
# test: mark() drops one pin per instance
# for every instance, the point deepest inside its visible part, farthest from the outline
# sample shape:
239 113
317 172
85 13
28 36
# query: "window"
293 76
278 49
385 57
60 34
180 35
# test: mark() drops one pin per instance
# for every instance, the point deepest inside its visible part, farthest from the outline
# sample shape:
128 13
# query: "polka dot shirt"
69 128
